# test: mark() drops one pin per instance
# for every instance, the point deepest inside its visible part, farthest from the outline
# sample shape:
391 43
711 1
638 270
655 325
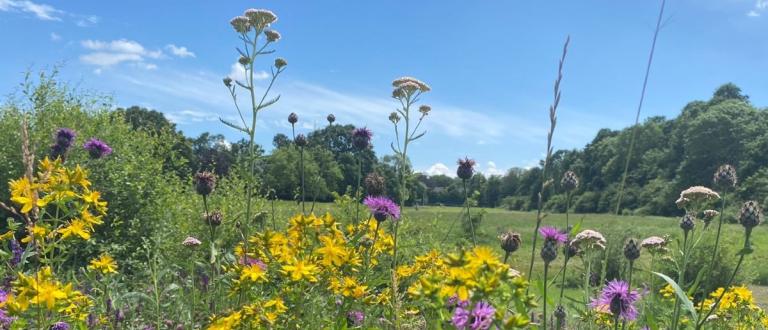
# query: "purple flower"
97 148
460 318
293 118
355 318
248 261
466 168
361 138
617 299
482 316
5 320
60 326
17 251
63 139
382 207
552 234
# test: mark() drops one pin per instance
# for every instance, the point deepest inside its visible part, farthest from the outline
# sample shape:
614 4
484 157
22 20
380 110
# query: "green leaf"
686 303
268 103
233 125
577 227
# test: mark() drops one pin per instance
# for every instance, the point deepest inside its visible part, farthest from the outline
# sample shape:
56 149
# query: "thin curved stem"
469 216
544 317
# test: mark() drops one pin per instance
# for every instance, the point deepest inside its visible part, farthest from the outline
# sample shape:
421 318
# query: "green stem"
303 187
544 318
681 281
469 216
747 246
357 189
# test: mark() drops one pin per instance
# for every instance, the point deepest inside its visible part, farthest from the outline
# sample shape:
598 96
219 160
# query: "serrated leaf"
233 125
685 303
268 103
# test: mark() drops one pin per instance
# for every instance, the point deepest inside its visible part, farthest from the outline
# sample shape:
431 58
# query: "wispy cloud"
758 9
237 72
40 11
104 54
55 37
180 51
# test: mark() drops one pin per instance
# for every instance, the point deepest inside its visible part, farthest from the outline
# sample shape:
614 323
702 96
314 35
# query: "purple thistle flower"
355 318
361 138
97 148
460 318
617 299
482 316
382 207
552 234
17 251
466 168
60 326
63 139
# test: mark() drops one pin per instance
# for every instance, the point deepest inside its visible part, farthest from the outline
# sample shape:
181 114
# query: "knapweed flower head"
293 118
631 250
375 184
244 60
466 168
750 215
272 35
617 299
355 318
227 81
382 208
97 148
331 118
63 140
552 234
191 242
60 326
589 239
205 183
260 18
510 241
301 141
569 181
361 138
479 318
725 176
214 218
687 223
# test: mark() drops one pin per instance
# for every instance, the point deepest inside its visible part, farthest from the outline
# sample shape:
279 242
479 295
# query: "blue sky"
491 64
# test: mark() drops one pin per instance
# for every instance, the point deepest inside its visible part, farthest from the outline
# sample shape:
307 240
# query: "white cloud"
191 116
439 169
180 51
237 72
86 21
491 169
758 9
105 54
41 11
55 36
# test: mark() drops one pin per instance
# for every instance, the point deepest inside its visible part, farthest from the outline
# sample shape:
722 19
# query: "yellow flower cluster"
314 254
67 191
104 264
737 305
42 290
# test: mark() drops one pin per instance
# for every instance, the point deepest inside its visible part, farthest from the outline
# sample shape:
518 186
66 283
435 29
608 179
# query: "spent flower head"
466 168
272 35
331 118
293 118
280 63
750 215
394 118
240 24
725 176
191 242
205 183
510 241
260 18
589 239
412 83
654 244
425 109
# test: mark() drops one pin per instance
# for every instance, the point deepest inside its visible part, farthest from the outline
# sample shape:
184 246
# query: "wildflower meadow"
113 219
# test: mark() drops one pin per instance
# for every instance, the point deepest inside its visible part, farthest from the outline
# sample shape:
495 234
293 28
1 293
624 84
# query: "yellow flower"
104 263
22 193
37 232
7 235
93 198
228 322
331 251
76 227
90 219
299 269
253 273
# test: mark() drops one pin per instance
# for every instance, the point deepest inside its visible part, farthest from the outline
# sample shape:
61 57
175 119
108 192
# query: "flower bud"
301 140
687 223
751 215
331 118
293 118
205 183
280 62
631 250
510 241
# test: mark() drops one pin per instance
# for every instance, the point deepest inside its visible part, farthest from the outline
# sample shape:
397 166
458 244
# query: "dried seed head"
272 35
725 176
227 81
243 60
751 215
331 118
293 118
205 183
687 223
425 109
570 250
560 313
510 241
240 24
569 181
394 118
280 62
301 141
631 250
375 184
260 18
410 81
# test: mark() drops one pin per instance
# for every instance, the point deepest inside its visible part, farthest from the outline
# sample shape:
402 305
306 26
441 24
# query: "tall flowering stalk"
553 238
301 142
464 172
361 140
569 183
725 179
253 24
550 134
407 91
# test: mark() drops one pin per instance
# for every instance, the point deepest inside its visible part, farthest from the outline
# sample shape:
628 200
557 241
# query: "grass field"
440 227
